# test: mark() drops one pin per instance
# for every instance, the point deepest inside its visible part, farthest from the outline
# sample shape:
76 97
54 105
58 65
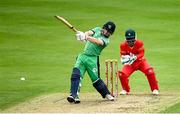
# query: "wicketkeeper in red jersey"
132 57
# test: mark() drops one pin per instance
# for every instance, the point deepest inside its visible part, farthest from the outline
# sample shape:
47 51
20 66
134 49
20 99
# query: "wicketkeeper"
132 57
96 40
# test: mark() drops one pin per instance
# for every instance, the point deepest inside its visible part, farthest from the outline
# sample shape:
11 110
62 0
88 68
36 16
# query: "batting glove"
80 36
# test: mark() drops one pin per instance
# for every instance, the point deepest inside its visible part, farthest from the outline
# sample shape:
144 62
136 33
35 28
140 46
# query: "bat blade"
63 20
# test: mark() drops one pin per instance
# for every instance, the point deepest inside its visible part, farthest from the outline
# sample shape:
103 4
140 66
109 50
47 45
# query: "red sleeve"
140 54
122 49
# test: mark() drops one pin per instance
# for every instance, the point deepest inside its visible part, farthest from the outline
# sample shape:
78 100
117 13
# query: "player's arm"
122 50
124 56
88 36
140 53
92 39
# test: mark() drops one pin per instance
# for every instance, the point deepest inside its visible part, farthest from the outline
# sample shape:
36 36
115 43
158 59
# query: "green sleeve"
95 29
105 40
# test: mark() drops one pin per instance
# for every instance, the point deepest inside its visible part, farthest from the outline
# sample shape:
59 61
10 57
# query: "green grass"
35 45
173 109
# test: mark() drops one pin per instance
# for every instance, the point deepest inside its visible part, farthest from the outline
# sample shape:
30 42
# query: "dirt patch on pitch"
92 102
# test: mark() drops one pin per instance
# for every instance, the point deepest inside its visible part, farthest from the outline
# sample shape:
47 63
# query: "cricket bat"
63 20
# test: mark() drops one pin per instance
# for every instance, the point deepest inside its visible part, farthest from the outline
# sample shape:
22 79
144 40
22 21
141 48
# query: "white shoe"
155 92
109 97
123 92
77 100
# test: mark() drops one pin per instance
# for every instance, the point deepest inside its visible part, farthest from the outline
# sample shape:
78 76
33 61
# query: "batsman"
132 57
96 40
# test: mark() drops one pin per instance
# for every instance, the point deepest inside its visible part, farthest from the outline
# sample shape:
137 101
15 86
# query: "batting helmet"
130 34
110 27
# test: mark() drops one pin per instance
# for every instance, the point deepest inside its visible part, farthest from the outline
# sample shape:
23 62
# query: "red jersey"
137 49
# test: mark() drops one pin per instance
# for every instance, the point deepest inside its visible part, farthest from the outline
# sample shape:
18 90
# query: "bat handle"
74 29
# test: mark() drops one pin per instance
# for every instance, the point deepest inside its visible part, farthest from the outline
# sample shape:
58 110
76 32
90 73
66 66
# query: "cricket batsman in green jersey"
96 40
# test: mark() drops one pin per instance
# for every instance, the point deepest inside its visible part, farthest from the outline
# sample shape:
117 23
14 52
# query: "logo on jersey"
94 70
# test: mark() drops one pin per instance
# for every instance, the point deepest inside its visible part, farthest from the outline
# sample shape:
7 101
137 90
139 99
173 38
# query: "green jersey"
94 49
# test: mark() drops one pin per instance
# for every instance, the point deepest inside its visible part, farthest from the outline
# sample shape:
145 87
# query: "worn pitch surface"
92 102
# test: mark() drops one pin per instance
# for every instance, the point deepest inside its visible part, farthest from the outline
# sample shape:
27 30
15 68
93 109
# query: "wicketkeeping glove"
125 59
132 58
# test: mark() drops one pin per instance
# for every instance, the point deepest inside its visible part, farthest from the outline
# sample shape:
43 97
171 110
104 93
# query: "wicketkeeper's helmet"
130 34
110 27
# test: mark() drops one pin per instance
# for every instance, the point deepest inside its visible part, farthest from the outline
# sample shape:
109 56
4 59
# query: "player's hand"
81 36
125 59
132 58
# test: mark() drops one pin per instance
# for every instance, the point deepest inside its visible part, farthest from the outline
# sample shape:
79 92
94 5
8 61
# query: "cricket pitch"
93 103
